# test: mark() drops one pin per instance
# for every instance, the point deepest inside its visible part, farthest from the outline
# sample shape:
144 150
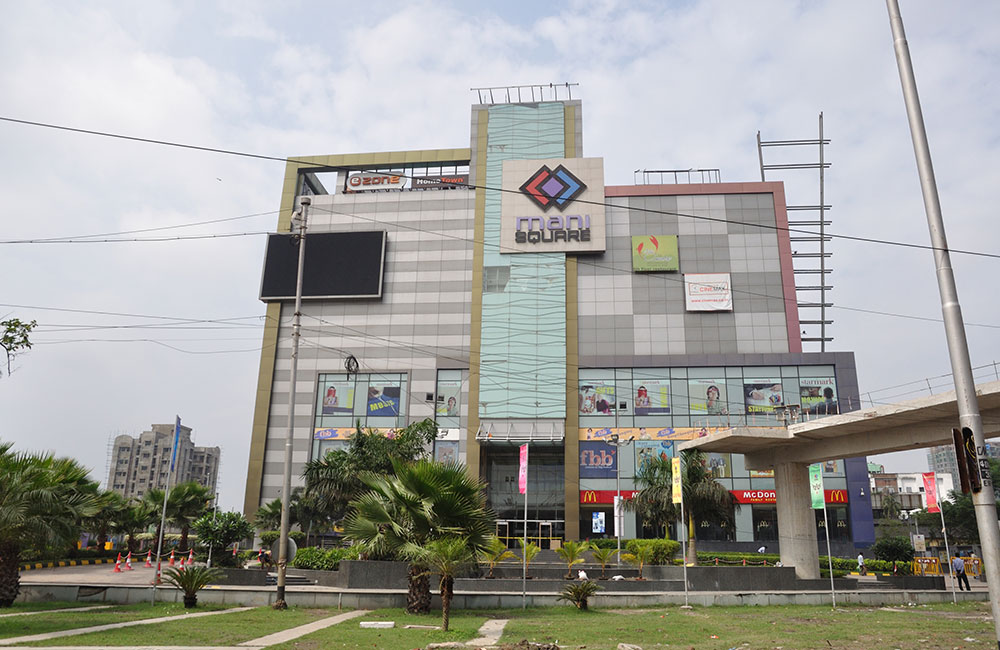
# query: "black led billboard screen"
338 265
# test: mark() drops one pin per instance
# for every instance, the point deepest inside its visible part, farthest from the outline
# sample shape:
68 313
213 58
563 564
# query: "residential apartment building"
139 464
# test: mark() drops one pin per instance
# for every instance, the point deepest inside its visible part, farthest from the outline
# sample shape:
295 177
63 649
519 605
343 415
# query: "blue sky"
673 85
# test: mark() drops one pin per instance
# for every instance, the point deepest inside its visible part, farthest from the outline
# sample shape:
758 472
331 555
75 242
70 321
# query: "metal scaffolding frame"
815 242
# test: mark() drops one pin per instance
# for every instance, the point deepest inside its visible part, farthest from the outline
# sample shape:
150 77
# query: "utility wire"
245 154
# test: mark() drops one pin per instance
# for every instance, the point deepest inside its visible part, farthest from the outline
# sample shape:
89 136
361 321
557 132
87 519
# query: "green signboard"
654 253
816 486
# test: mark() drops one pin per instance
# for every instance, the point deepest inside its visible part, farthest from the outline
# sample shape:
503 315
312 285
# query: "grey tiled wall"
637 315
421 324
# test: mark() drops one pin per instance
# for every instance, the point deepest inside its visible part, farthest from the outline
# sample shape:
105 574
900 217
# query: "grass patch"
464 625
225 629
20 607
793 626
56 621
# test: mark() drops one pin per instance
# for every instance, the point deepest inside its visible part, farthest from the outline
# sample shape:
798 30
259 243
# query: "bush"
607 543
892 549
269 537
313 557
663 550
579 593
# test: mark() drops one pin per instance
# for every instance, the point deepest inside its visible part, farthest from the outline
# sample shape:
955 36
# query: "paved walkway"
112 626
490 632
293 633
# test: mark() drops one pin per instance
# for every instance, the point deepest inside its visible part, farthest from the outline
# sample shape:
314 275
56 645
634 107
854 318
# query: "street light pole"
286 484
969 417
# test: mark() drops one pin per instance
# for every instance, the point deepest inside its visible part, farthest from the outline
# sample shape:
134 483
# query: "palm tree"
187 502
43 500
603 557
308 512
572 554
641 555
704 498
528 554
268 516
133 519
102 522
445 556
494 553
419 503
891 509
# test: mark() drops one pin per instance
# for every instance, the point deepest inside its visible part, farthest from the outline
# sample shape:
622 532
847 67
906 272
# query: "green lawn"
54 621
224 629
855 628
19 607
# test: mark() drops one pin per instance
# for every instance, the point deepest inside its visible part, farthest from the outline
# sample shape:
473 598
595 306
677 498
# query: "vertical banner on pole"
522 471
675 475
522 486
816 486
930 492
619 516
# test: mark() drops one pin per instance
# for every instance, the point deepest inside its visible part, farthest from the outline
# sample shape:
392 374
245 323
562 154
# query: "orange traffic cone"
149 560
171 557
118 564
156 578
180 562
235 547
190 557
128 561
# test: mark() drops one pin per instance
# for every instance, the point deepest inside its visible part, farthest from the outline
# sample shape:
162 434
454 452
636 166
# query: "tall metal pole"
618 498
524 544
947 556
286 484
826 527
984 501
822 250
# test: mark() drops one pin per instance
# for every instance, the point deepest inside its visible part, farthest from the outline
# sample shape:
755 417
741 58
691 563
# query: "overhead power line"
245 154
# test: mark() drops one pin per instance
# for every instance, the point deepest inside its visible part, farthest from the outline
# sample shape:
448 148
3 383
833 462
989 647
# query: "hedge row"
314 557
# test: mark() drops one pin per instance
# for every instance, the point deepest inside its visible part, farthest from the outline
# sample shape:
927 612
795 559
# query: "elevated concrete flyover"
914 424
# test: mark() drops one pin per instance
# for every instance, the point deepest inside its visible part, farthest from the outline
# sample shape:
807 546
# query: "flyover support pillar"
796 522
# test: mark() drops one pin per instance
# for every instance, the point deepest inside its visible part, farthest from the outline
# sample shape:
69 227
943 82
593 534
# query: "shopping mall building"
506 291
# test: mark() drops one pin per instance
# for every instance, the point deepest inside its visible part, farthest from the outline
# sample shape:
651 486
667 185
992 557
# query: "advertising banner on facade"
446 451
597 523
383 399
439 182
597 397
720 465
654 253
554 205
375 181
708 396
763 394
708 292
652 396
598 460
832 497
338 399
646 450
761 473
930 492
816 486
449 397
818 395
604 497
647 433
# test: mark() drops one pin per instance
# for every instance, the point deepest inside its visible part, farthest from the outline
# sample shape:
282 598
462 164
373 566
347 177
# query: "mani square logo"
553 187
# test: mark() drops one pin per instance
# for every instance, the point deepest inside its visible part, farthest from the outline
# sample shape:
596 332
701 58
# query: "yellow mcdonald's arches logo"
589 496
838 496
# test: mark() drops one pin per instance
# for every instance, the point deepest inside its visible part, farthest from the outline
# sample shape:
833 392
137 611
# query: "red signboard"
604 496
768 496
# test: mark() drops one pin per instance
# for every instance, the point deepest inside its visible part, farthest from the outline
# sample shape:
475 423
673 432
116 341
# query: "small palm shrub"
578 593
640 556
603 557
572 554
528 553
191 580
494 553
663 550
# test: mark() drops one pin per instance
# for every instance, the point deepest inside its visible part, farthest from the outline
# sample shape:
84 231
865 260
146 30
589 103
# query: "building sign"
605 497
598 525
763 394
818 396
708 292
652 396
338 398
647 433
373 181
598 460
769 496
654 253
647 450
439 182
552 205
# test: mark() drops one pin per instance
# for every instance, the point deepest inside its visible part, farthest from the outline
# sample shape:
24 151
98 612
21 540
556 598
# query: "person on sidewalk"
958 570
861 564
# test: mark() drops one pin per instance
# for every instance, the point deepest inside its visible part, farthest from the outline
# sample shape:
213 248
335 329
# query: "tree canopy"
14 338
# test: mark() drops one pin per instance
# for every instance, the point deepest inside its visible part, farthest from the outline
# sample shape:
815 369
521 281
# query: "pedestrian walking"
861 564
958 570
